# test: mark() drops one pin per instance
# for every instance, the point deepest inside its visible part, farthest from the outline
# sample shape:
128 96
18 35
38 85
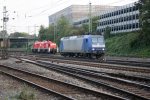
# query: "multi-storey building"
120 19
75 12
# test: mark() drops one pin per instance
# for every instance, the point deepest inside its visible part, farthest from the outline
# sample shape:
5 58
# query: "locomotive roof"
80 36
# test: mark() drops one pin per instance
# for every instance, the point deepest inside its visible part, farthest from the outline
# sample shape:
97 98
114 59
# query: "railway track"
98 65
63 90
109 60
128 88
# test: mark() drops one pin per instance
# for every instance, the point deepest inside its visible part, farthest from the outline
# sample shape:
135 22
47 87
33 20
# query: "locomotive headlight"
93 49
103 49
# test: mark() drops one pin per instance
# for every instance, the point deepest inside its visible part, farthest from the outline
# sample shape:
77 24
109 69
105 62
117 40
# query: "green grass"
120 45
25 94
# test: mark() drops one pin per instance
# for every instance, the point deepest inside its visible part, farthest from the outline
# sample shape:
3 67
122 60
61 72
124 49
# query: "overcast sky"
28 13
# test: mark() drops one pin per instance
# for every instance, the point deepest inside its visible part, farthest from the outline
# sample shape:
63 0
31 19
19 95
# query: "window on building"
133 25
122 11
101 23
117 12
127 18
133 17
130 9
121 27
130 17
113 13
109 21
137 16
118 28
125 10
115 28
130 26
121 19
104 22
135 8
127 27
137 25
112 28
109 15
102 16
102 30
124 18
114 20
117 20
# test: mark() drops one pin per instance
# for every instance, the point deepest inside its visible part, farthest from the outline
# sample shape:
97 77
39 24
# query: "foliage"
119 45
18 34
42 33
107 32
85 28
144 37
18 44
25 94
3 34
94 24
63 28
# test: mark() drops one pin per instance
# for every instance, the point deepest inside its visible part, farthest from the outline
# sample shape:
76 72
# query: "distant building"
76 12
119 19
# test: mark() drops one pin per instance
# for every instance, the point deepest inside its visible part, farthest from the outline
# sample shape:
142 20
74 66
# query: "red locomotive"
44 47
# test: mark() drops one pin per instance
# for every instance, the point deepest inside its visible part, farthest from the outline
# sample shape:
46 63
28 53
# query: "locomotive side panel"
73 45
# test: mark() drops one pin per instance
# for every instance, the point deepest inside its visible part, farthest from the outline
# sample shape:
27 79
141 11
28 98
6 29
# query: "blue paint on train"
85 45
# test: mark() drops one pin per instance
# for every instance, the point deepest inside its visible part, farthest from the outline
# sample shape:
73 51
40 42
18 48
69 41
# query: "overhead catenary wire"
51 8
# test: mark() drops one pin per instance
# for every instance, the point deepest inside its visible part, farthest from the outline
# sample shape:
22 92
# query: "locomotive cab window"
96 40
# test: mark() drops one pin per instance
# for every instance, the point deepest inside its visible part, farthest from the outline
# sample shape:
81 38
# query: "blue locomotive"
91 46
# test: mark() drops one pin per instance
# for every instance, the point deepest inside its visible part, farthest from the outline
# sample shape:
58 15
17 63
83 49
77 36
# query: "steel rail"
113 97
60 68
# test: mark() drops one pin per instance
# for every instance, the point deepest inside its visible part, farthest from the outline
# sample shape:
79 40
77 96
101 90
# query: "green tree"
18 44
42 33
50 33
107 32
84 28
94 24
63 28
18 34
144 8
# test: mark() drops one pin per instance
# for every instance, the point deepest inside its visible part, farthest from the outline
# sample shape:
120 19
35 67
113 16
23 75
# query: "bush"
126 45
25 94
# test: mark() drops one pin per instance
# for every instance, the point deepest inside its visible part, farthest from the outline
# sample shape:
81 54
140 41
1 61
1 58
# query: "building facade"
119 19
75 12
